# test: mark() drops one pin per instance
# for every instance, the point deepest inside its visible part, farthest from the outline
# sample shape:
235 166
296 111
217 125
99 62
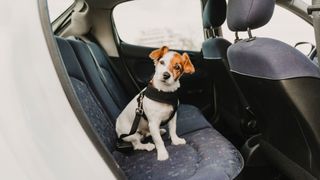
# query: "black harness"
151 92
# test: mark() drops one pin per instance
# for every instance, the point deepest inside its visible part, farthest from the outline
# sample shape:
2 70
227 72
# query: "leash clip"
139 111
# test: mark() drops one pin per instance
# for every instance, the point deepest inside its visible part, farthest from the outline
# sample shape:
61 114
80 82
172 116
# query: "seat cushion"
207 155
190 119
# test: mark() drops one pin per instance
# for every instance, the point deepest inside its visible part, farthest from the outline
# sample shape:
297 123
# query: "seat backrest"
214 15
114 83
214 50
282 86
99 119
109 94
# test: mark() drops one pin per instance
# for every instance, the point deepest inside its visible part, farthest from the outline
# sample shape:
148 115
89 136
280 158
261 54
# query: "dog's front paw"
150 146
163 155
178 141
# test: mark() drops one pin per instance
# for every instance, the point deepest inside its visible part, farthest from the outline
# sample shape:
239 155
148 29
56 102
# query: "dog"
169 67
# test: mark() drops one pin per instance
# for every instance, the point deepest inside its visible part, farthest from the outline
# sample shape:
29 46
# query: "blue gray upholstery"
215 48
207 154
282 86
113 82
98 118
270 59
190 119
90 70
214 13
244 14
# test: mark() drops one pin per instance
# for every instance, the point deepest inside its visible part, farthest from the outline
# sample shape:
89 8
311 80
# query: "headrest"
214 13
244 14
80 21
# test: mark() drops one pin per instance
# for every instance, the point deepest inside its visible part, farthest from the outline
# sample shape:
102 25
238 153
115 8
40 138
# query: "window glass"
154 23
308 1
57 7
284 26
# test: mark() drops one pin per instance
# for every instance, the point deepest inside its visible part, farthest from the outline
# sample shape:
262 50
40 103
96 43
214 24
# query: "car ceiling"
109 4
103 4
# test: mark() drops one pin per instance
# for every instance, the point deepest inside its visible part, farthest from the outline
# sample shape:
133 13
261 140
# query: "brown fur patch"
158 53
180 64
175 62
188 66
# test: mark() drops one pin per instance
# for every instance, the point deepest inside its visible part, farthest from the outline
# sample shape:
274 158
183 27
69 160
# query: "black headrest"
244 14
214 13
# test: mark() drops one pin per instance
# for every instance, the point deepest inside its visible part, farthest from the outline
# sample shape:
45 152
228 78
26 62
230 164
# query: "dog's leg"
162 132
135 139
162 153
172 132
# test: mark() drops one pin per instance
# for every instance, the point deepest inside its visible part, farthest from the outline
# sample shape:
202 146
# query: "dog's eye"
177 67
161 62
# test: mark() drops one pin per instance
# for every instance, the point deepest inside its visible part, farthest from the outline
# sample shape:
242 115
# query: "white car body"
40 136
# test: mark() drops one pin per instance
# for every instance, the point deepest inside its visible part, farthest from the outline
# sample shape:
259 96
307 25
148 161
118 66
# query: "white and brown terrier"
169 67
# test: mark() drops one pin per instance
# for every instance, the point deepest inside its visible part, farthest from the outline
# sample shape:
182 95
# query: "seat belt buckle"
123 146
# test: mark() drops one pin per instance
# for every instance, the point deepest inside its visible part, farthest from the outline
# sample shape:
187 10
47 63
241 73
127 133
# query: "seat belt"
314 10
123 146
63 23
249 124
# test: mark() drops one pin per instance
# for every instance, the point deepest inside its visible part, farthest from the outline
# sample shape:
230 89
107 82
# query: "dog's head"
170 65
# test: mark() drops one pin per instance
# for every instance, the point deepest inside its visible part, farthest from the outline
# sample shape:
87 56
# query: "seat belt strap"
251 120
137 118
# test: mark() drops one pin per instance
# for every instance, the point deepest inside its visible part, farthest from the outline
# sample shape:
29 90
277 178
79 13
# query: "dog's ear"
188 66
158 53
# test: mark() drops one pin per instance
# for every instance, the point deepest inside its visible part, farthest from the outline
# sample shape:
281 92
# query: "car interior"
248 112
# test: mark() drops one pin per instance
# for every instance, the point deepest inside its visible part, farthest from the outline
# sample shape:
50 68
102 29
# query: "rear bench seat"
207 154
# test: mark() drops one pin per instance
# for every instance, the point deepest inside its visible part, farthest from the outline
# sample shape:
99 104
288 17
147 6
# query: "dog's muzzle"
166 75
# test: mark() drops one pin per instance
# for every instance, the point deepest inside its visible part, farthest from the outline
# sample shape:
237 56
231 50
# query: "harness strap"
170 98
137 118
171 116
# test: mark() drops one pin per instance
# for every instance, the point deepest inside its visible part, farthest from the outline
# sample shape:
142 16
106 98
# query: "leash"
170 98
137 118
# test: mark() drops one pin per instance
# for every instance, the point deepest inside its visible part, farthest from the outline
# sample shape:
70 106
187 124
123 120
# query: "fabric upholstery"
244 14
90 70
270 59
207 155
69 59
114 83
215 48
214 13
98 118
190 119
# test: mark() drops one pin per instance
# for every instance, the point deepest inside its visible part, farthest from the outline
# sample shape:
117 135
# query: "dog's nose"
166 75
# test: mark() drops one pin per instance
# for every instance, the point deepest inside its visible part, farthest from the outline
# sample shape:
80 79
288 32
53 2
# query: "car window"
284 26
308 1
57 7
154 23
